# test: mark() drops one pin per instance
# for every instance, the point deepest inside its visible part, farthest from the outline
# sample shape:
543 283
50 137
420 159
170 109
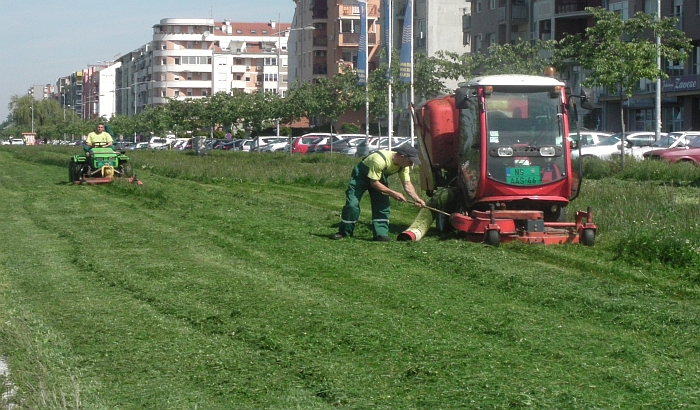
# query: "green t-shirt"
377 165
101 137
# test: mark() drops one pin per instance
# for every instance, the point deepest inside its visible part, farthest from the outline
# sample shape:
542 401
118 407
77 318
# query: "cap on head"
408 151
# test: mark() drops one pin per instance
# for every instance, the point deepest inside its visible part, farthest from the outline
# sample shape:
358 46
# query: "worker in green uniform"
371 175
99 138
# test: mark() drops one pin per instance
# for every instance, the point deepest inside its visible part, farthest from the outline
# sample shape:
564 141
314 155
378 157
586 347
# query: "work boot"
337 236
381 238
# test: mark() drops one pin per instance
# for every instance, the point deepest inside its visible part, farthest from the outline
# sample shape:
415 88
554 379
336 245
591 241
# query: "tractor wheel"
127 170
492 237
442 222
587 237
74 171
555 216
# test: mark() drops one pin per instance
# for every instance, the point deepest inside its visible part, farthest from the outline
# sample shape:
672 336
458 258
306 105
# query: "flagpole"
389 35
367 75
410 104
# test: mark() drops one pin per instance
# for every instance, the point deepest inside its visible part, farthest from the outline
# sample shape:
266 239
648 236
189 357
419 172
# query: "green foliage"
663 246
619 53
348 128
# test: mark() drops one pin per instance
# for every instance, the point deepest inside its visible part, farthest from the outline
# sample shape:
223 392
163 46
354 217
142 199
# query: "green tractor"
101 165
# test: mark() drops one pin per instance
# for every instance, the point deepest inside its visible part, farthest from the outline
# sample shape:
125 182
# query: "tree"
618 53
331 97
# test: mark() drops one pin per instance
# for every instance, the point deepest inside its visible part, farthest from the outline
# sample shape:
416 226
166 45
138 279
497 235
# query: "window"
189 93
189 76
478 6
164 61
238 61
163 93
239 31
264 31
190 46
177 60
270 61
177 93
674 119
204 93
163 46
674 68
270 77
621 8
492 39
176 77
238 77
696 60
163 77
492 4
644 119
253 32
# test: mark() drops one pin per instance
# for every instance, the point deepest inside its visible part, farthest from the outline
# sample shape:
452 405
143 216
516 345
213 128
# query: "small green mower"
101 165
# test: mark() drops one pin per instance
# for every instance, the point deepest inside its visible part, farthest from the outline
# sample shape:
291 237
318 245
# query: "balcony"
354 10
321 41
575 6
353 39
320 69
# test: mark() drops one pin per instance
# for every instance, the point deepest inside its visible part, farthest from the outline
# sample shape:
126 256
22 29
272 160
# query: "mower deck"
498 226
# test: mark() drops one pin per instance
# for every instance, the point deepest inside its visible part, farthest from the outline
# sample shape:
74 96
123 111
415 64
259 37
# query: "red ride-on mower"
495 157
101 165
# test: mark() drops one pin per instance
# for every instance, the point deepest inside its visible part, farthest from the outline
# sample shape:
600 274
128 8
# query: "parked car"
138 145
322 144
689 153
366 147
17 141
261 141
611 145
275 145
162 143
677 139
226 145
300 145
587 137
345 142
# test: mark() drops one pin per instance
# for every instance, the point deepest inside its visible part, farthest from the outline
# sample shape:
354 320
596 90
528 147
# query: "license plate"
523 176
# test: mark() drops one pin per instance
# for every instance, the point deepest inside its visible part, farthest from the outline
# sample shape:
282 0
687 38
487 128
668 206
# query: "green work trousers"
359 184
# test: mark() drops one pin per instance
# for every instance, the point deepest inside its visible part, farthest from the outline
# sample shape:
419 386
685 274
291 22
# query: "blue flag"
406 59
362 48
386 22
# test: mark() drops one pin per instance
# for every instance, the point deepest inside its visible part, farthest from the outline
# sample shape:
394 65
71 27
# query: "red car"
689 153
300 145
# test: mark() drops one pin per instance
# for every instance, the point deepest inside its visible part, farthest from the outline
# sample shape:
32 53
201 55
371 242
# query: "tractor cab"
499 146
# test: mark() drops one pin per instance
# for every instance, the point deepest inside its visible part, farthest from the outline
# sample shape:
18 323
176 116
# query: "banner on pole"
362 48
406 59
386 26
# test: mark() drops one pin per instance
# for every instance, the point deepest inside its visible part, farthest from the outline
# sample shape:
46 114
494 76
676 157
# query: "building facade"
509 21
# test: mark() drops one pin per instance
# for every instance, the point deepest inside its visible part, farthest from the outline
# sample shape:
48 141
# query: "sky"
43 40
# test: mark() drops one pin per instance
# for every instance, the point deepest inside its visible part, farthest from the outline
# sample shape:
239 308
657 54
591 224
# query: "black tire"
442 223
74 171
587 237
492 238
127 170
557 216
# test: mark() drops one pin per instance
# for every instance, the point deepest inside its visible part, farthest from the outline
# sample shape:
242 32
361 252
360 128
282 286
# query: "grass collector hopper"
495 156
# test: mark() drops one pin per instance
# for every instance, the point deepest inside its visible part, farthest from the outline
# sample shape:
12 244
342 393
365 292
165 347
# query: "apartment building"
333 44
251 57
509 21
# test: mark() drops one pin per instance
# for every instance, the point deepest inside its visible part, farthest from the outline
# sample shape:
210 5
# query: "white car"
364 148
274 145
611 145
678 139
588 137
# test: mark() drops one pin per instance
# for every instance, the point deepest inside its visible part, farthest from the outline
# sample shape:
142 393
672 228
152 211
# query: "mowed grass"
214 286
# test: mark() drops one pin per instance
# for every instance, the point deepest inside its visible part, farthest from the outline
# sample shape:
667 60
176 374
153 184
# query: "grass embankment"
214 286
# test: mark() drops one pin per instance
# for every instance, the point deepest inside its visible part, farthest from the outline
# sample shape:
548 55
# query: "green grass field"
214 286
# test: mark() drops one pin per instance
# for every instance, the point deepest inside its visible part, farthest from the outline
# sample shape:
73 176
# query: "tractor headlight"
505 151
547 151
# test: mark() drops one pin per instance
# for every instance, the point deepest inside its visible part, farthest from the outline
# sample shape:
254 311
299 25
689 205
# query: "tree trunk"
623 139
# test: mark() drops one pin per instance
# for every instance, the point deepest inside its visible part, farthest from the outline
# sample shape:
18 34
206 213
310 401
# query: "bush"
667 247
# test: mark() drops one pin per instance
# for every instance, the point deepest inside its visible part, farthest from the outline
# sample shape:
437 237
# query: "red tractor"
496 159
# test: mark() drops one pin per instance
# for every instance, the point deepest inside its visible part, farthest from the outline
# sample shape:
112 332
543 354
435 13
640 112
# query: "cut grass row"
212 291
